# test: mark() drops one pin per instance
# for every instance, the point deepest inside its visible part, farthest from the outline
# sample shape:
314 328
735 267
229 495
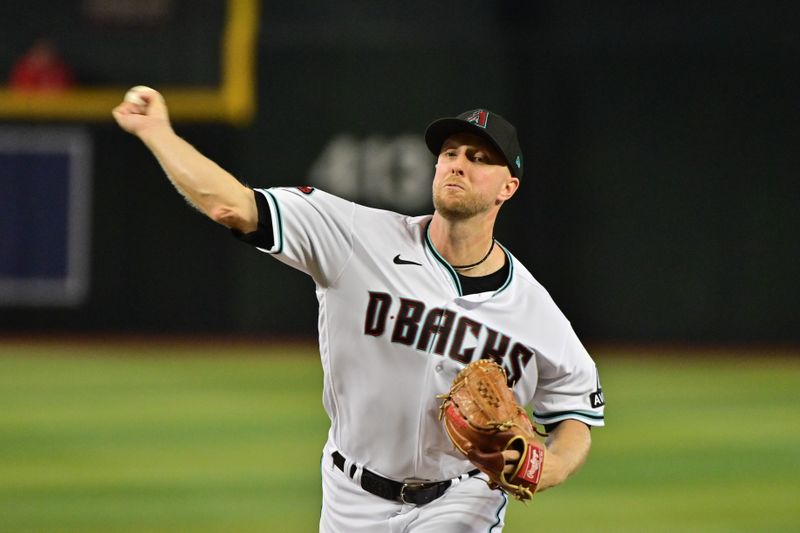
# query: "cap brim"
439 130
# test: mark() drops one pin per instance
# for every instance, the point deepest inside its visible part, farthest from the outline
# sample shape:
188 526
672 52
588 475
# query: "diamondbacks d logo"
479 117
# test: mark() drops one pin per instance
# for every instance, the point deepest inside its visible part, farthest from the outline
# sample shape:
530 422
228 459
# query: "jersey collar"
451 271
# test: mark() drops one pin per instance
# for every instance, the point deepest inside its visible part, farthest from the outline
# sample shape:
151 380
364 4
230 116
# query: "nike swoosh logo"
398 261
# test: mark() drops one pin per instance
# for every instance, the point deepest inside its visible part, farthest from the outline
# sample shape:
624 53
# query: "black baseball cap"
491 126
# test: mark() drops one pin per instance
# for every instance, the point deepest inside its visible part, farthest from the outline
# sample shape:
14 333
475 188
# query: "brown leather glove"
483 419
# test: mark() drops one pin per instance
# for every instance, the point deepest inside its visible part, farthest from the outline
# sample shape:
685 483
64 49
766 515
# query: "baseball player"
404 304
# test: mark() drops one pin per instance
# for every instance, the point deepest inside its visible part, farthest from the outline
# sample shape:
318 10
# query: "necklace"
473 265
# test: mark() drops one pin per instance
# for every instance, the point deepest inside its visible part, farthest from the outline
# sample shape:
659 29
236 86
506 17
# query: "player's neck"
467 243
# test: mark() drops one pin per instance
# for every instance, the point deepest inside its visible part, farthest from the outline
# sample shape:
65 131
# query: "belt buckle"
413 484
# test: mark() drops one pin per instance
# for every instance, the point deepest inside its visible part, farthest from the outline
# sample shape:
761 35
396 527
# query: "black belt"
416 492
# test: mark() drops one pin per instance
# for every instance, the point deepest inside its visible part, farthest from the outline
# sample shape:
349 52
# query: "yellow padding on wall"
233 101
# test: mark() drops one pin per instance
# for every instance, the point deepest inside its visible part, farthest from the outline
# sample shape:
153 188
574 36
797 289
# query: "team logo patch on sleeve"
305 189
596 398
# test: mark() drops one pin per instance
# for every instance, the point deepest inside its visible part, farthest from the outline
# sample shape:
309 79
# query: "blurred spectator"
41 68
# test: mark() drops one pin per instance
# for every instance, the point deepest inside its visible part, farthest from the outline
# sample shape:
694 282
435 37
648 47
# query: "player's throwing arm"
206 186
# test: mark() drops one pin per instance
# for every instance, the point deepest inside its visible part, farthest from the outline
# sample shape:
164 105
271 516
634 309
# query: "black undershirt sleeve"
262 237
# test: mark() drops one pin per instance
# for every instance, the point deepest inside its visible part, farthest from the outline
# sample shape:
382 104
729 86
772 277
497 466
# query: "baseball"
133 95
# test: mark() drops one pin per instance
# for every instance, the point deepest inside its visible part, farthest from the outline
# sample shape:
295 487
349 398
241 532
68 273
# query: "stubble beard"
461 208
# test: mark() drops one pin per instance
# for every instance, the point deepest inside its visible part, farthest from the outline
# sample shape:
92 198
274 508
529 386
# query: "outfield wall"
659 201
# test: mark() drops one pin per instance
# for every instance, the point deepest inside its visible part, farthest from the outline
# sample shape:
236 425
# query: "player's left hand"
485 423
511 458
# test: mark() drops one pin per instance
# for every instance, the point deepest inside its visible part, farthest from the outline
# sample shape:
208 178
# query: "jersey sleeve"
262 236
312 231
569 387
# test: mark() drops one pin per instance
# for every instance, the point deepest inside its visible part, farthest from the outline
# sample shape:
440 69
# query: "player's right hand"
142 108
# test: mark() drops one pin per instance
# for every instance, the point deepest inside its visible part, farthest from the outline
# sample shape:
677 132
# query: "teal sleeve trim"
584 416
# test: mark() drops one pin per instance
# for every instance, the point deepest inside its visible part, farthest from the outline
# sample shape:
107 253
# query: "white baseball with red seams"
134 95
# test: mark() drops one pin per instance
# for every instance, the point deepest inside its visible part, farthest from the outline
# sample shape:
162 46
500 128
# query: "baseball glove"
482 419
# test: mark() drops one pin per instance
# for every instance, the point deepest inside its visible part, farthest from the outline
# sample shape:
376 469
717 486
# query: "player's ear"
509 188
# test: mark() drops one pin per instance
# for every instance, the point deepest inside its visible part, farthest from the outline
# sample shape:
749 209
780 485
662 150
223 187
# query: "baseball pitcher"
433 337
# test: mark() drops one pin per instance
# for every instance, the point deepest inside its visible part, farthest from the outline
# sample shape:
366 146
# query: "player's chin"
455 209
451 195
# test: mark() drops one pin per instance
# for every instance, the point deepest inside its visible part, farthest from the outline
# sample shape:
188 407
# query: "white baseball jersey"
395 329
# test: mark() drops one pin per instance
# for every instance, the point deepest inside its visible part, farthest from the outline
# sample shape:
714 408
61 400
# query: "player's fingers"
120 112
127 108
140 95
124 112
144 100
141 107
147 101
511 456
129 118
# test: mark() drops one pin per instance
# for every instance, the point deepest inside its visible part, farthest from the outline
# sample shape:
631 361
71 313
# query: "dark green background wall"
661 191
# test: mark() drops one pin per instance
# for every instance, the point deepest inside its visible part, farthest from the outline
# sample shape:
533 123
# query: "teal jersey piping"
568 414
454 274
441 259
510 270
499 512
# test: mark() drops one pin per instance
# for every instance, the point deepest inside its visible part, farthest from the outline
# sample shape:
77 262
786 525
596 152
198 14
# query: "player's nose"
457 170
457 164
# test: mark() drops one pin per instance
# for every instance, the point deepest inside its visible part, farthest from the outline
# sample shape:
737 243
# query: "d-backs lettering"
433 329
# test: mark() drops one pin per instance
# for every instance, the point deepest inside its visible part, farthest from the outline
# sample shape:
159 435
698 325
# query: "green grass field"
126 437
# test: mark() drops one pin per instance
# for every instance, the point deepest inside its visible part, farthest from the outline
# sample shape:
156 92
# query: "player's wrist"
553 471
153 134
